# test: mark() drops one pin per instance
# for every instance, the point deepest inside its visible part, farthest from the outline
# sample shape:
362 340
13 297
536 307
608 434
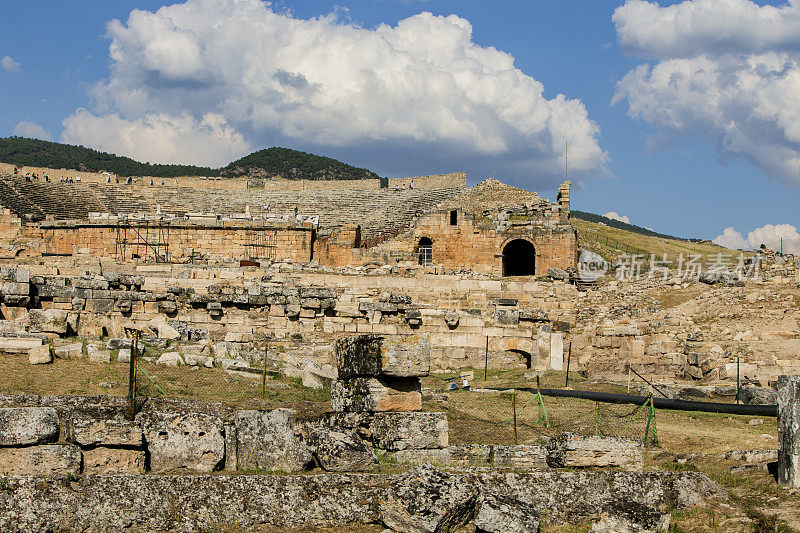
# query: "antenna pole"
566 153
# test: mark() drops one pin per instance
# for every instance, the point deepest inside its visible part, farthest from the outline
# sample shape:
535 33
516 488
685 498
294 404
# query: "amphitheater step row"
379 212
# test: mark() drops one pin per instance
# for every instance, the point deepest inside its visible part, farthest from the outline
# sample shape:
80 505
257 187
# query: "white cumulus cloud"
769 235
8 63
157 137
616 216
726 70
31 130
420 90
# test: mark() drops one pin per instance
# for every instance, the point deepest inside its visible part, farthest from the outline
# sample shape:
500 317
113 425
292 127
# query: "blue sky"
698 141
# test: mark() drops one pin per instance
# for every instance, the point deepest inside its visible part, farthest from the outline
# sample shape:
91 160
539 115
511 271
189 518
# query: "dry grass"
80 377
611 242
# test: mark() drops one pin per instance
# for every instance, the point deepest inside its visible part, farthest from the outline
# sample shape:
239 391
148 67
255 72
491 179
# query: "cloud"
8 63
727 70
157 137
769 235
706 26
32 131
730 238
613 215
422 90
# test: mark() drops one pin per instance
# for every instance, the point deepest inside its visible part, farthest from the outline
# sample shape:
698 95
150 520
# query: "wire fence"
516 417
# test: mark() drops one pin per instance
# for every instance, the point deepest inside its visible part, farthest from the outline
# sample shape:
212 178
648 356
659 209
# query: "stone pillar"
789 431
557 351
543 348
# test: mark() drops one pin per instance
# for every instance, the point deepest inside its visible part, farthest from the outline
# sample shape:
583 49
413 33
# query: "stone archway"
519 258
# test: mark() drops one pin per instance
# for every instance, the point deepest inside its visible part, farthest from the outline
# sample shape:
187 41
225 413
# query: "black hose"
658 403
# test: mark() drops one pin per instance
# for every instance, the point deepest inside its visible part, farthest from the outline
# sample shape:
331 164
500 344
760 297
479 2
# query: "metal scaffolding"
144 240
261 243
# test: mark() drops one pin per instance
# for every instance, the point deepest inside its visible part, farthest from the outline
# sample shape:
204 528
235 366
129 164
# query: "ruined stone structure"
223 222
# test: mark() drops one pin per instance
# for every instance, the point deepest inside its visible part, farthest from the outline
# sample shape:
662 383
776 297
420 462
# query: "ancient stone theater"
492 228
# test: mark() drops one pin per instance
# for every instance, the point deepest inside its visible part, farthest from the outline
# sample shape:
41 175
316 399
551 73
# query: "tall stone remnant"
789 431
380 373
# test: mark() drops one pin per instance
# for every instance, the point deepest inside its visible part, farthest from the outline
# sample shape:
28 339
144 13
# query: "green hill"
293 164
35 153
283 162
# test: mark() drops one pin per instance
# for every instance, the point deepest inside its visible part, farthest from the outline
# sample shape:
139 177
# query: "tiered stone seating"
381 213
39 199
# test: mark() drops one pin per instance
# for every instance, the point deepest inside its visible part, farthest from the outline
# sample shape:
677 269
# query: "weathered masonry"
490 229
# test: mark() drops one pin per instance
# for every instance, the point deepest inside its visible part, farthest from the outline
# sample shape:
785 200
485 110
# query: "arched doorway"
519 258
520 358
425 251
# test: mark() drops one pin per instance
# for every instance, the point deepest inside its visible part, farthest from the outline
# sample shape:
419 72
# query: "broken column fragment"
380 373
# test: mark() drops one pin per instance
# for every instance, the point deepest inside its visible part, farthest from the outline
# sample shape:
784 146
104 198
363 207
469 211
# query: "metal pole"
486 361
132 374
264 377
514 407
737 380
643 379
569 356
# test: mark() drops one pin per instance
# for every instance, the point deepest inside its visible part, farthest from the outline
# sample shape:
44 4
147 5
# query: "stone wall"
476 245
436 181
225 240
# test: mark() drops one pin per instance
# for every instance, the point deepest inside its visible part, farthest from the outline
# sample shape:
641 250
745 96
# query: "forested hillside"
293 164
271 162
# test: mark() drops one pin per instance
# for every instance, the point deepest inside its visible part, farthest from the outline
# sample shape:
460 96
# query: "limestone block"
265 440
519 456
438 456
163 329
506 316
557 351
14 288
571 450
48 321
124 356
175 442
391 355
170 359
427 499
18 345
501 514
376 394
113 461
96 355
471 454
22 426
99 428
40 355
789 431
340 451
198 360
417 431
45 460
69 351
